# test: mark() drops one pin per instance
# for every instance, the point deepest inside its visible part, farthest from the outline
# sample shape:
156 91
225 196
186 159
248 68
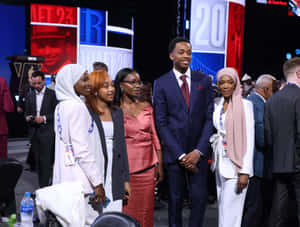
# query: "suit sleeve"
161 114
248 157
259 126
79 124
50 114
298 125
29 105
207 130
267 126
125 159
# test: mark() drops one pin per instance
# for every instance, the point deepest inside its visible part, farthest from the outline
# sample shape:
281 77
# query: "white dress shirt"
39 100
188 77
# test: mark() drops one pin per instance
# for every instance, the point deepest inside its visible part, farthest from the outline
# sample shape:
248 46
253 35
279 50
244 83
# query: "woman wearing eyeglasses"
143 146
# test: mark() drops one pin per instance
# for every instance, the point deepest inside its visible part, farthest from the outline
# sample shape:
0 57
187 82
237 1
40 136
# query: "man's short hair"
37 74
176 40
290 66
262 79
100 66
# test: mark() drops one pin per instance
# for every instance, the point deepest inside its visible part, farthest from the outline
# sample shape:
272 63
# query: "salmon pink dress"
142 143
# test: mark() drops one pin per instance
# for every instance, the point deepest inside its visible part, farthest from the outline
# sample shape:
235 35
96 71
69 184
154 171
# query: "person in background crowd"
25 91
39 113
254 209
52 85
110 123
77 138
146 93
99 66
282 133
183 106
248 87
143 146
6 106
233 146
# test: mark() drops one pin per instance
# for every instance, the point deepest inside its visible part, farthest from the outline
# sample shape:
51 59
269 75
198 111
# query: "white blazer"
78 129
220 160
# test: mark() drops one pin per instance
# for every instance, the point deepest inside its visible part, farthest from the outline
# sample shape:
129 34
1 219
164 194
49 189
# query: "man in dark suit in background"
183 105
282 134
254 205
39 113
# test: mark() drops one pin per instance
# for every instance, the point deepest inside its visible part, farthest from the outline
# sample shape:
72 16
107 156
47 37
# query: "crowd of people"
120 140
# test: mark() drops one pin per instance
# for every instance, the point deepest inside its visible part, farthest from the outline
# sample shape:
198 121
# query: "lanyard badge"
69 155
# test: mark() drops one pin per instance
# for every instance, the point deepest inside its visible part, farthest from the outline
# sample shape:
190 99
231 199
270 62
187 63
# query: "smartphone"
107 201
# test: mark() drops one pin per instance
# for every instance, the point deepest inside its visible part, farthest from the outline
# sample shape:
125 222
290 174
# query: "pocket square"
200 87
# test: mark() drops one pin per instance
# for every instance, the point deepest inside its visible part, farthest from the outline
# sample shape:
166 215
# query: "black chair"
115 219
10 172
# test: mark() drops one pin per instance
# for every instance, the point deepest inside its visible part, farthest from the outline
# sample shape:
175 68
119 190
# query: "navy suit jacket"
260 147
181 129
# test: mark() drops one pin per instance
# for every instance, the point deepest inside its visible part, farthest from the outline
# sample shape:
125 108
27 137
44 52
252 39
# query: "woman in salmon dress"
143 147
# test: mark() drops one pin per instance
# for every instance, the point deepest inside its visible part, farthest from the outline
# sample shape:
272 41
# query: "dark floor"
18 148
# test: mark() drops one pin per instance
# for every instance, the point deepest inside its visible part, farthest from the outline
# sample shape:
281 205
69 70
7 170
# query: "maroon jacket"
6 105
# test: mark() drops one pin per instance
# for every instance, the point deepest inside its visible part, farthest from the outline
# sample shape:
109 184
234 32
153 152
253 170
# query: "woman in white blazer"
233 147
77 156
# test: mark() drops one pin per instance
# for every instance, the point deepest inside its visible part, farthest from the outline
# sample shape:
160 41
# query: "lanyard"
59 126
221 118
224 143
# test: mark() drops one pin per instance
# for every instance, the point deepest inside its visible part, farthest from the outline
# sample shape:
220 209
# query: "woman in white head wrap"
76 156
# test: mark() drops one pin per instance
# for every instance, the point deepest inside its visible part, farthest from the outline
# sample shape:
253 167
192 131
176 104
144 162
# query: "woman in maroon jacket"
6 105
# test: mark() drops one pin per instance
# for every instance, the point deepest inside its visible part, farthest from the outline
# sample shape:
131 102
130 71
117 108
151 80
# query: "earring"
96 93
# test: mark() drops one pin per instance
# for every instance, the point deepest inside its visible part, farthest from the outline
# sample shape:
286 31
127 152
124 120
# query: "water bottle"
27 207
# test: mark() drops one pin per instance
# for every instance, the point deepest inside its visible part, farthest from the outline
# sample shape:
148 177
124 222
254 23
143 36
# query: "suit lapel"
98 122
175 87
258 99
34 103
115 120
193 91
44 102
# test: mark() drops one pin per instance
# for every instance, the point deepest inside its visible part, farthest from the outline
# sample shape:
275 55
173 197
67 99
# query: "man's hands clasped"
190 161
99 194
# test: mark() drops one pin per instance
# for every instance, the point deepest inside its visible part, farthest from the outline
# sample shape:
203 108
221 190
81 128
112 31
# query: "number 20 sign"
208 25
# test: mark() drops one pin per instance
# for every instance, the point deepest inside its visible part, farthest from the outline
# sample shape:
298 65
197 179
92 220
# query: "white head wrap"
66 78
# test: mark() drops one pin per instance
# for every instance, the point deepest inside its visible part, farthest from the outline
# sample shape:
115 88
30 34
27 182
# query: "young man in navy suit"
183 104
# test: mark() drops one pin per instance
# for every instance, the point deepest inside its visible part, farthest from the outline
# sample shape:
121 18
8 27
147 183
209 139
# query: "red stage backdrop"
54 35
235 36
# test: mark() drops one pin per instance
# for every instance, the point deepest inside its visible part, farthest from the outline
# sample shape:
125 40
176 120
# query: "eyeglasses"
133 82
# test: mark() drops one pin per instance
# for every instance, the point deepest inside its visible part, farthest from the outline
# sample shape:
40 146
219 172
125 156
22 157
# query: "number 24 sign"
208 25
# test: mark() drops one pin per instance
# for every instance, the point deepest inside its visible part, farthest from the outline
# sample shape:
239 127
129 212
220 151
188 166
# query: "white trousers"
230 203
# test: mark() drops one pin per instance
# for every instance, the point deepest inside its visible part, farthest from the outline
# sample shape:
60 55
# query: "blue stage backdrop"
12 39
